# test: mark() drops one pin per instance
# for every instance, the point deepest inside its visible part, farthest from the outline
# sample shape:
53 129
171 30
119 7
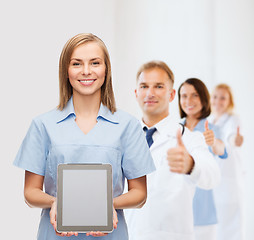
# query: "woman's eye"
76 64
95 63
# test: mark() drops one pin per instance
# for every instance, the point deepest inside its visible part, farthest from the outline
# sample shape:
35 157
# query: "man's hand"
179 160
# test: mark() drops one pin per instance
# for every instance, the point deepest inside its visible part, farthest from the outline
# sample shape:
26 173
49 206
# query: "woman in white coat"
229 194
195 107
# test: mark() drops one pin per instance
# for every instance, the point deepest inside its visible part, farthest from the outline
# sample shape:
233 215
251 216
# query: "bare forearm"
38 198
132 199
218 147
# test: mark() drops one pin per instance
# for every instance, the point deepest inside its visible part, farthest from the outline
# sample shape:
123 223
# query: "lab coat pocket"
167 181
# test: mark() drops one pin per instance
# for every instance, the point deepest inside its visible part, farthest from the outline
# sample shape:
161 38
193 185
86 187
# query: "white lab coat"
168 212
229 194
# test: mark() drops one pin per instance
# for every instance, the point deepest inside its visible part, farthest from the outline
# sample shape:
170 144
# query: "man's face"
154 92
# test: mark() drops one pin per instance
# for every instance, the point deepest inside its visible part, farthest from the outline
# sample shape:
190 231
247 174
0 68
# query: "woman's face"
220 101
87 69
190 101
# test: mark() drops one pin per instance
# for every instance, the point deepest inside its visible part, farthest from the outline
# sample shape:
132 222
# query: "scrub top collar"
200 124
107 115
104 113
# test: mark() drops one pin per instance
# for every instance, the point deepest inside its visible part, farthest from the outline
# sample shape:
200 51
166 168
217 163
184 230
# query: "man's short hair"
156 64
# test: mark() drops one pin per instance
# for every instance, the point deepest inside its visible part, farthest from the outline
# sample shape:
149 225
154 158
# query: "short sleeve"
137 160
33 150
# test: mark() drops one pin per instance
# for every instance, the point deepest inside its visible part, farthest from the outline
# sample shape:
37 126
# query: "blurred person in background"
229 194
194 107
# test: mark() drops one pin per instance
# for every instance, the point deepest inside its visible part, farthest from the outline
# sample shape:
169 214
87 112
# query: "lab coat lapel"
159 142
222 119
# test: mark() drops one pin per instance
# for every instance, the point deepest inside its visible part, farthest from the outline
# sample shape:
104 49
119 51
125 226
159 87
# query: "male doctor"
182 161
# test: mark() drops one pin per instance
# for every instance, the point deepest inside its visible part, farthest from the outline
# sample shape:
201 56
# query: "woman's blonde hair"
226 87
65 88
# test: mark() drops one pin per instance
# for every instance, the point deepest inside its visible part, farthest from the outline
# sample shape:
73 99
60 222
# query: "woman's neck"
85 106
217 116
191 123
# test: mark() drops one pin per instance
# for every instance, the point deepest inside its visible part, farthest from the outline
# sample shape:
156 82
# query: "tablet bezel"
83 229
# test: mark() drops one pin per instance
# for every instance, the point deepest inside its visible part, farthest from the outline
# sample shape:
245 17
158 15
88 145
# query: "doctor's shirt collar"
168 123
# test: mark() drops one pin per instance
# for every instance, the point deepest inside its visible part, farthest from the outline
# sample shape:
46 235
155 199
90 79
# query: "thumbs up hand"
179 138
238 138
209 135
179 160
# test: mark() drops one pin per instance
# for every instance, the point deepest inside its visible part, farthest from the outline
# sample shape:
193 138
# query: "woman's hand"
217 146
52 215
115 218
238 138
100 234
209 135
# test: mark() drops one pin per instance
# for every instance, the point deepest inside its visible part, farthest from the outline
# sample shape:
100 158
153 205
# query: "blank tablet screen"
84 197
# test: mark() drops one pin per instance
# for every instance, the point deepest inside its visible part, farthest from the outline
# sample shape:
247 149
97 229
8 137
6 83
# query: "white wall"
177 32
234 64
211 40
32 36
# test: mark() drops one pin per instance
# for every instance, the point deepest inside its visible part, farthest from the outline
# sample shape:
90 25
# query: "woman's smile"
87 82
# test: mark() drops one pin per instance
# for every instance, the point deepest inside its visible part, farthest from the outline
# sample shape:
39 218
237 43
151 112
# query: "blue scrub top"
54 138
204 210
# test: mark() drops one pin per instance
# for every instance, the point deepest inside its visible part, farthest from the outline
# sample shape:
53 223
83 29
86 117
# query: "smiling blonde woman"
85 128
229 195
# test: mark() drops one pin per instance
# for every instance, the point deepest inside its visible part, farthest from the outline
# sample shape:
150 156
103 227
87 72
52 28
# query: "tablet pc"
84 198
